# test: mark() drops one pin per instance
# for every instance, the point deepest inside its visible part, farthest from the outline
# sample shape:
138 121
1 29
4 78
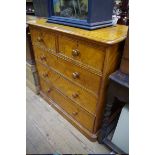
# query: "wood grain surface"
74 92
108 35
67 69
68 46
83 117
74 66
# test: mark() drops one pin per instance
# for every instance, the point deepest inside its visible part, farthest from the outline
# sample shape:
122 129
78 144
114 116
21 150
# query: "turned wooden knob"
45 75
75 113
75 53
48 90
75 95
75 75
43 58
39 39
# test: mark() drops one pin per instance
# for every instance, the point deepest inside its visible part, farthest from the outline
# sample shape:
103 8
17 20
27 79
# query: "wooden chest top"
108 35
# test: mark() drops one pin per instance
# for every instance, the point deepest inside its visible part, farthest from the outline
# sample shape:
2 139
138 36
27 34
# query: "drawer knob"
43 58
75 113
48 90
75 53
75 95
39 39
75 75
45 75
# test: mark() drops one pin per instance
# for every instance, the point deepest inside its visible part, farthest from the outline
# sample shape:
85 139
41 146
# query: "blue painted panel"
99 15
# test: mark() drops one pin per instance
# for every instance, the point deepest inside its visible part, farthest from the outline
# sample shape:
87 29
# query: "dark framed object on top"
41 8
87 14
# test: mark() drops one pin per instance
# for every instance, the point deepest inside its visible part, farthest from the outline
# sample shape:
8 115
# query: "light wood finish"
109 35
76 74
111 63
78 50
75 111
69 70
44 38
74 92
76 71
47 132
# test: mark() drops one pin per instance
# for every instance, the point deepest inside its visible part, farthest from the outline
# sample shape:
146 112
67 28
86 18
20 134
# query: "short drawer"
77 94
75 111
75 73
43 38
84 52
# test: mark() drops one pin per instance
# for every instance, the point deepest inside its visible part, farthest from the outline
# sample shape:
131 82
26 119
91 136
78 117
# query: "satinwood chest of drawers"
73 67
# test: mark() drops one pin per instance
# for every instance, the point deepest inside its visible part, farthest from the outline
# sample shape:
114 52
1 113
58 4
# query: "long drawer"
77 94
75 111
90 54
76 74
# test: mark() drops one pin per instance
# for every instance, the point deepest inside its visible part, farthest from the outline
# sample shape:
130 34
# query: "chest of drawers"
73 67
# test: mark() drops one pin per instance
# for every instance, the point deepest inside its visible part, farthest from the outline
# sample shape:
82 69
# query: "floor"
48 132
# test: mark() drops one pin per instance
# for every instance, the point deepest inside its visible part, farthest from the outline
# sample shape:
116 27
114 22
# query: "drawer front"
76 93
83 117
44 58
76 74
40 55
90 54
44 38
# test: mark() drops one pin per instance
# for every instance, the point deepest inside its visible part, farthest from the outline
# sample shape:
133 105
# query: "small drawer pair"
75 111
83 52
